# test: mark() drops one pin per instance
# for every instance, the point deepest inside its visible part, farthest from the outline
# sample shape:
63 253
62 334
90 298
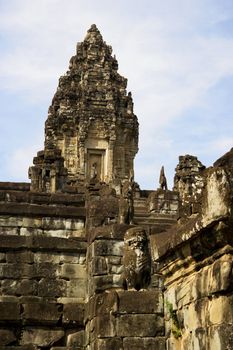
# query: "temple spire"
91 119
93 35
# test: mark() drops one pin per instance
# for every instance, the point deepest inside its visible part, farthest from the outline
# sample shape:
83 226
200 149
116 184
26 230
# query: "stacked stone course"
42 267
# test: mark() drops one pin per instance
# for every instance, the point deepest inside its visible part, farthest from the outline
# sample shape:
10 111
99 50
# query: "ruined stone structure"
91 125
88 260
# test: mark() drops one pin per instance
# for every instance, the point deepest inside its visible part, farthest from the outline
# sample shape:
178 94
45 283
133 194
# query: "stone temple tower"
91 130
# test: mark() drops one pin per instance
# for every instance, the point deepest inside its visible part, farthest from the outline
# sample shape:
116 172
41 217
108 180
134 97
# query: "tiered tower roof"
91 110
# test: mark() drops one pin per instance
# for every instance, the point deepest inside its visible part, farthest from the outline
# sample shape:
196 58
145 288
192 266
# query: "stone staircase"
157 221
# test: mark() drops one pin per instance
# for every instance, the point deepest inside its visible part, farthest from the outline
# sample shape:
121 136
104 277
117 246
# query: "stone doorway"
96 164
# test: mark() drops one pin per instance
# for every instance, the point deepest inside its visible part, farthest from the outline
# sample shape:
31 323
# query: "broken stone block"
16 271
44 270
73 314
19 287
41 337
141 302
76 339
14 221
99 266
220 337
42 312
20 257
72 271
76 288
63 348
9 311
23 347
101 283
31 222
13 242
2 257
131 343
6 337
217 201
118 270
108 247
10 231
117 281
30 231
220 278
131 325
52 287
220 310
45 257
105 325
109 343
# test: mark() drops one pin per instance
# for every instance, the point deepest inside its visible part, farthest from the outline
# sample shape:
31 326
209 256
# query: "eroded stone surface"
41 337
6 337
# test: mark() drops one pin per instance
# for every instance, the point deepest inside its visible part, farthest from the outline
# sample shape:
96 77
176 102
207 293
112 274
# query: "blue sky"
177 56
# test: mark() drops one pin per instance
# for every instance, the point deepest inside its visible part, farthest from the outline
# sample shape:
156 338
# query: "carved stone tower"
91 129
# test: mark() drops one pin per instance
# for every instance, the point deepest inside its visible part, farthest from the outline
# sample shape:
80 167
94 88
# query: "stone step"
152 221
143 218
15 186
142 222
155 216
140 208
141 205
30 210
140 201
141 211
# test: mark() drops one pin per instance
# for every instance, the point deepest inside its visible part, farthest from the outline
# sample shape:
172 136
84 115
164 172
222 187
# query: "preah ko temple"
88 260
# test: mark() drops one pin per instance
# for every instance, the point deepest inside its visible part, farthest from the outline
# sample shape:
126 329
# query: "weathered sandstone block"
143 302
72 271
75 340
6 337
99 266
135 343
108 247
131 325
76 288
109 343
41 337
73 314
19 287
43 313
52 288
9 311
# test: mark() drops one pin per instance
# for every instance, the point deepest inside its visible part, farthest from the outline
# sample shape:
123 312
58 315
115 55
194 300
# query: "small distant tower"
163 179
90 122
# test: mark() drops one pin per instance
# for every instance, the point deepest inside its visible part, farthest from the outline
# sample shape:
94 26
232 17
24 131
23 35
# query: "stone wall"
116 318
42 269
61 280
198 301
195 258
126 320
